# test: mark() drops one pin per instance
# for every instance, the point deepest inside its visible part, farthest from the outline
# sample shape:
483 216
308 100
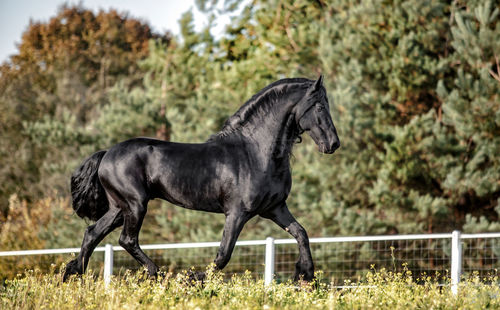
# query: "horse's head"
312 115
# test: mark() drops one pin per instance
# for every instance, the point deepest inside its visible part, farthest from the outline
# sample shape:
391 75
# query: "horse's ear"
319 83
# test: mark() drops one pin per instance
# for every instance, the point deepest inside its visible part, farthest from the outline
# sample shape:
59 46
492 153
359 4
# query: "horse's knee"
299 233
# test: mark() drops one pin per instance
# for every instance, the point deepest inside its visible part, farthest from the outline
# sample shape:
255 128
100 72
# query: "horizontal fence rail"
341 258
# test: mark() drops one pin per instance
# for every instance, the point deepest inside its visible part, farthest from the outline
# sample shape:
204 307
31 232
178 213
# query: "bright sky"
161 15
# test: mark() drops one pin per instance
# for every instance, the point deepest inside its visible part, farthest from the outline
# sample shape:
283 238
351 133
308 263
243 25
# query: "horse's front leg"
304 268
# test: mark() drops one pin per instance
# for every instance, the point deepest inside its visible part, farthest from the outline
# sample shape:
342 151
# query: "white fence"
444 253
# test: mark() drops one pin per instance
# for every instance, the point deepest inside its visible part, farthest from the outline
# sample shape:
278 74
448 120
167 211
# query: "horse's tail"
89 197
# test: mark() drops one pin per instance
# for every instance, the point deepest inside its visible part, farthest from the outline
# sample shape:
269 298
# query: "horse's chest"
269 190
281 181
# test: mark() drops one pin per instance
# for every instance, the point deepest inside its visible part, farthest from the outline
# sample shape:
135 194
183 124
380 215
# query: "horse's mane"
263 99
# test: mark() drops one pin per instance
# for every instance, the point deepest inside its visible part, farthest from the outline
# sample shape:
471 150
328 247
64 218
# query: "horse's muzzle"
323 148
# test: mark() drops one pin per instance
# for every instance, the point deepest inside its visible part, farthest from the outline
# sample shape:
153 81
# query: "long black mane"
261 101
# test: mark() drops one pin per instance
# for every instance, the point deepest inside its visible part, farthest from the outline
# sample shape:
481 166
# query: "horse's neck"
287 136
274 135
272 130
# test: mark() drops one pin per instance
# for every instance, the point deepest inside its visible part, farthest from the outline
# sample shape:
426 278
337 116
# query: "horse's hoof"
304 279
72 268
308 285
162 275
196 277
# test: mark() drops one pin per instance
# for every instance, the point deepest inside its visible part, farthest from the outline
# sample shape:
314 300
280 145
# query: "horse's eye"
319 108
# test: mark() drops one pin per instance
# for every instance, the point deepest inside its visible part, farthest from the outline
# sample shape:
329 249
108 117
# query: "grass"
380 290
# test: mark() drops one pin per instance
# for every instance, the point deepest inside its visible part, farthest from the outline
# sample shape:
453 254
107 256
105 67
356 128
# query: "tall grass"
381 290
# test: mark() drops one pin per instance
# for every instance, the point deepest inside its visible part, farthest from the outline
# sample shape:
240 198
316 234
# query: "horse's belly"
189 196
204 206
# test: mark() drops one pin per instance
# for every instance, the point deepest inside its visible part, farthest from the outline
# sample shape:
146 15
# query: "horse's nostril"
335 145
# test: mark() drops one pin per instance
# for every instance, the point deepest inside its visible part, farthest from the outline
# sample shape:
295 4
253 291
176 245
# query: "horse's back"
194 176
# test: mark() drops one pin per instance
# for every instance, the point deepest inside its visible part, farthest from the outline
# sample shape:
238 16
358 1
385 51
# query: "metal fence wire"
177 260
481 256
352 260
345 259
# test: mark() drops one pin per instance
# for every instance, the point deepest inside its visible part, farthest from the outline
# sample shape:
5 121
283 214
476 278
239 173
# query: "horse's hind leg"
234 224
129 239
232 228
93 235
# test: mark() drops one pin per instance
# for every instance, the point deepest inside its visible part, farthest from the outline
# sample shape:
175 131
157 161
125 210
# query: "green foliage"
414 87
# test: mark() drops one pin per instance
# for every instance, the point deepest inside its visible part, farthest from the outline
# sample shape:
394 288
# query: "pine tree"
414 87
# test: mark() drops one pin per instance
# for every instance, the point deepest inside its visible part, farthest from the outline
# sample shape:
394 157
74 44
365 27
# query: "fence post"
108 264
269 262
456 260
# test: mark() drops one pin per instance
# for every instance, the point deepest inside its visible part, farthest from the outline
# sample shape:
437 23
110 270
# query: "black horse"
242 171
